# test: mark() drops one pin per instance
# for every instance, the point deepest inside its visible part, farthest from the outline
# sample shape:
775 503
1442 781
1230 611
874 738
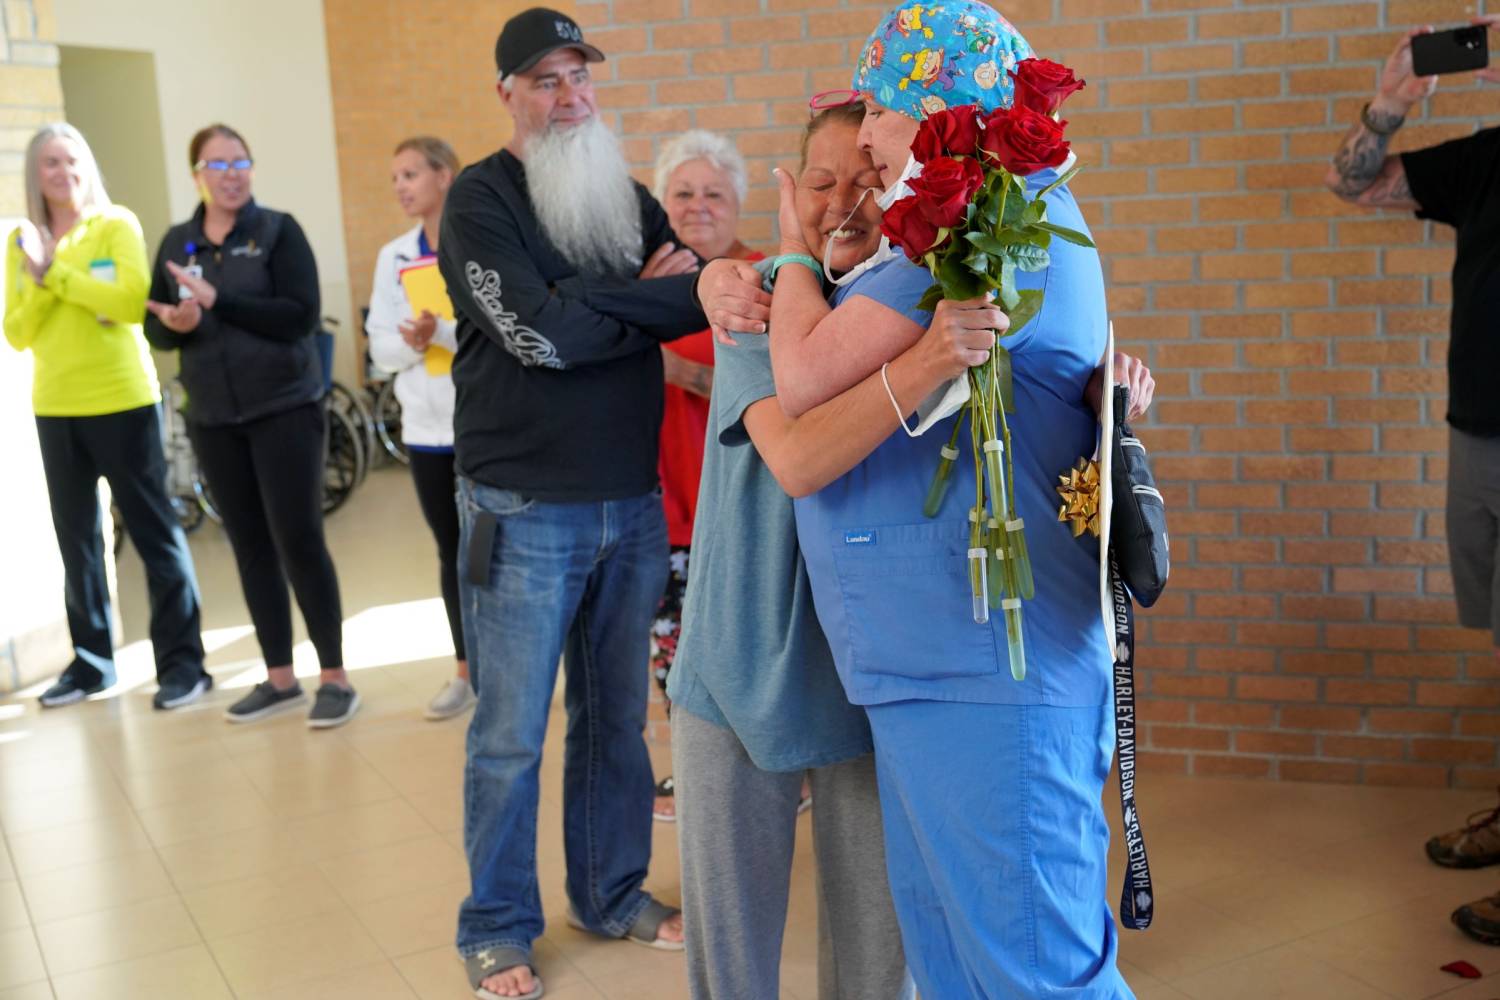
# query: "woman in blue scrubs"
990 787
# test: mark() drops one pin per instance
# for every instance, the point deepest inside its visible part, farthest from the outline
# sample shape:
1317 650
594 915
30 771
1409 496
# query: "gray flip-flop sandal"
482 965
646 926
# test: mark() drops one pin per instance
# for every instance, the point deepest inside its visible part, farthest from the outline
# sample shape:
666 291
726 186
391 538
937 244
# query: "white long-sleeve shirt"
426 400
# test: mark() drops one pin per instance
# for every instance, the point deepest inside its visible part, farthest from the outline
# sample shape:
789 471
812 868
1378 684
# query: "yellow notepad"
425 290
438 360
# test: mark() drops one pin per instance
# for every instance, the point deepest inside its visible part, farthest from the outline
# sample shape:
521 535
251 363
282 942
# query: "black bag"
1138 526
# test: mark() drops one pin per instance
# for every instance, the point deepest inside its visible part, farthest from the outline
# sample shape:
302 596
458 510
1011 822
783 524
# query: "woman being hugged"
701 181
417 346
235 290
75 280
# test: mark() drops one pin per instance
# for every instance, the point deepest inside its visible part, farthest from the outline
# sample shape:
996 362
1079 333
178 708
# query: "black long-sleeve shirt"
252 355
558 374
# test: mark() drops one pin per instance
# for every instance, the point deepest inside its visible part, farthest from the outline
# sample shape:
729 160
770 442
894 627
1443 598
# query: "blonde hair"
94 195
700 145
438 154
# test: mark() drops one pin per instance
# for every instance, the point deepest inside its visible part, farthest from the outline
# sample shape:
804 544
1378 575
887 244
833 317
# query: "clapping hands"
183 317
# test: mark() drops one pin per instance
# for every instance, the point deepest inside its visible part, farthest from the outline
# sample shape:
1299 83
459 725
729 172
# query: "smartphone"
1454 51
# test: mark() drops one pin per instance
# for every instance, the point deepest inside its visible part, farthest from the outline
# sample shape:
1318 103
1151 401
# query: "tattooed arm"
1363 171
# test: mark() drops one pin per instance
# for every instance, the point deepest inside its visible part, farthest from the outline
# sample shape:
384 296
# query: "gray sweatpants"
737 827
1474 528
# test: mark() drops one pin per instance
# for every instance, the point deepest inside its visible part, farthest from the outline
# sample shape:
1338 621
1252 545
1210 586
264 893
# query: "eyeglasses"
832 99
220 166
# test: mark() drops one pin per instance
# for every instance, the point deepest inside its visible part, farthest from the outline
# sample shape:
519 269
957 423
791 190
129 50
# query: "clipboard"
425 290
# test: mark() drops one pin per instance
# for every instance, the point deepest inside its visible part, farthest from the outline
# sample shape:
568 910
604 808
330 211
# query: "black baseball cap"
535 33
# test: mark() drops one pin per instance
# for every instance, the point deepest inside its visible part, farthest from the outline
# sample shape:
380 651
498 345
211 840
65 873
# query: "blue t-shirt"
751 656
892 587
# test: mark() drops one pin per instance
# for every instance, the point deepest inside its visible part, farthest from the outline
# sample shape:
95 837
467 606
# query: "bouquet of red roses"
970 220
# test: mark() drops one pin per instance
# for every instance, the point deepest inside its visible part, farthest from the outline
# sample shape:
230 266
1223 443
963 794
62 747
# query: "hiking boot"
1475 845
1480 919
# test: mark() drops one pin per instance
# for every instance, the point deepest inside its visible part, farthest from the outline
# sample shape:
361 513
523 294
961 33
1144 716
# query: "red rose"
951 132
945 189
909 229
1024 141
1042 85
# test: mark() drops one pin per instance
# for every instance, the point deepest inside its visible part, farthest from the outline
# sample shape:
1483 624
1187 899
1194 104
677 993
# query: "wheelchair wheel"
343 461
388 423
342 398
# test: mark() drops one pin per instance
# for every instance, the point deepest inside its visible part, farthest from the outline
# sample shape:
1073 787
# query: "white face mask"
882 253
901 189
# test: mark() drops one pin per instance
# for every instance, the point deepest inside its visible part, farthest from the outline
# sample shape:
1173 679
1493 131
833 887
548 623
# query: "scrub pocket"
907 602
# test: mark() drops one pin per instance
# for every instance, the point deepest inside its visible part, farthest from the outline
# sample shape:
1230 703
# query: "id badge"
183 291
102 270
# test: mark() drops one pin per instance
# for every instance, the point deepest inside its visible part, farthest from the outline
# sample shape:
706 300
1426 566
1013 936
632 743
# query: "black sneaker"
175 694
264 699
334 706
66 691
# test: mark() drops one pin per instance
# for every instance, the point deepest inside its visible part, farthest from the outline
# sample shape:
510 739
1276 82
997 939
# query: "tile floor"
173 856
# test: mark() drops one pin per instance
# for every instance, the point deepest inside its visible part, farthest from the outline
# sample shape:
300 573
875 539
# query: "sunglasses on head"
220 166
830 99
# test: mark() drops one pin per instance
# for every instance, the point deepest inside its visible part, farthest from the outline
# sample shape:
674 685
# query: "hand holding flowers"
970 220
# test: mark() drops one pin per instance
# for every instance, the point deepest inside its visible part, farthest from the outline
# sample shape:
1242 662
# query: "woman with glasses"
235 291
75 291
417 346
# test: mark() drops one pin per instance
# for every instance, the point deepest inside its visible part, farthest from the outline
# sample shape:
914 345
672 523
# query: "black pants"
266 478
436 491
124 448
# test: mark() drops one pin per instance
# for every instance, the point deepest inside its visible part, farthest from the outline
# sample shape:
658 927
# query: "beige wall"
110 95
259 66
33 634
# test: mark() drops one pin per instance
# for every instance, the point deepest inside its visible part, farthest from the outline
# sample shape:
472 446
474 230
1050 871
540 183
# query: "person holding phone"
75 291
1453 183
418 348
235 291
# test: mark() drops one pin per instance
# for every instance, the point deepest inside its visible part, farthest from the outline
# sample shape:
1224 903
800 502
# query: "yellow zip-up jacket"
83 324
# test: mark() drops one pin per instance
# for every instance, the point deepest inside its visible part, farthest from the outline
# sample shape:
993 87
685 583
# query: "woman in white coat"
417 346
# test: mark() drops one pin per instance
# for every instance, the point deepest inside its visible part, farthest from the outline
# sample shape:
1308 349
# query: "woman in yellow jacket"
75 294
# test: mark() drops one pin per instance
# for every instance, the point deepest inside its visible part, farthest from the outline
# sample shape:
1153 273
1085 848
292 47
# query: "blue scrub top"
892 586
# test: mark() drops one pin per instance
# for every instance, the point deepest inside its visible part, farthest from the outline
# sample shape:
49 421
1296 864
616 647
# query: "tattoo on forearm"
1359 159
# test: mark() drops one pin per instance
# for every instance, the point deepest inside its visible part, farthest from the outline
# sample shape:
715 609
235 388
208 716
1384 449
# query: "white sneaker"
456 698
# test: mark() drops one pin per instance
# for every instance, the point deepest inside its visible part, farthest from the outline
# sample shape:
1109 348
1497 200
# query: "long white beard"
584 198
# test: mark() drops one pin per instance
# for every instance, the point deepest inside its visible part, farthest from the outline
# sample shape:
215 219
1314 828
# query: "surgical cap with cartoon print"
925 57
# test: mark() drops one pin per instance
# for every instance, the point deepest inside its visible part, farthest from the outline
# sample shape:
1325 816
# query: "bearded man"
564 545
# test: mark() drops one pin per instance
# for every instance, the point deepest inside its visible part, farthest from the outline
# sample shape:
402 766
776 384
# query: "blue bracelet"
796 258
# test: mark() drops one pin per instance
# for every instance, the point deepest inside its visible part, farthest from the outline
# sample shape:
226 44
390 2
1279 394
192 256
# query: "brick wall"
1298 344
399 69
30 92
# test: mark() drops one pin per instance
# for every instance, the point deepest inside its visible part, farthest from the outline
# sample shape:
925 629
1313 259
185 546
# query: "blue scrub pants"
996 845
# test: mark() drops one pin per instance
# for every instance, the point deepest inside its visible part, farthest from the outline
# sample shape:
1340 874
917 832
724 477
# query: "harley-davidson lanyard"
1137 904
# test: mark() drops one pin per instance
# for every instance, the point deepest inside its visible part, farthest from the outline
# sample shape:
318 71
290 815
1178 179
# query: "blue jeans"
579 581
